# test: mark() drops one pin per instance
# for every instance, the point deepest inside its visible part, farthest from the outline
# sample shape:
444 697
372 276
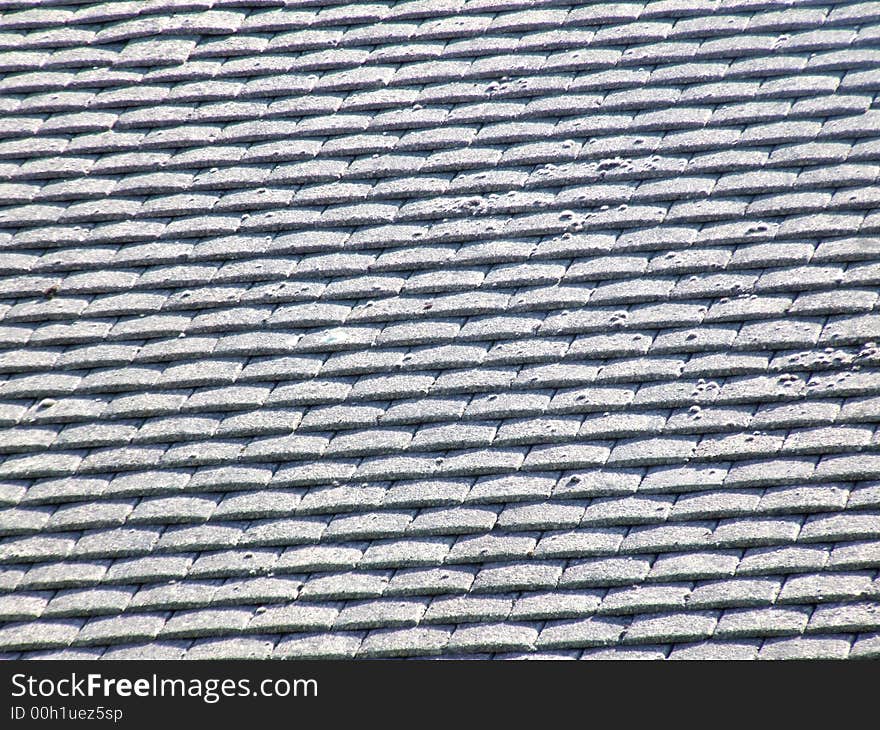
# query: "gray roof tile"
604 572
648 599
555 605
724 651
381 613
420 641
769 621
39 634
430 581
580 543
235 648
153 650
294 617
89 602
205 622
337 645
849 617
492 638
813 647
581 633
516 576
123 629
466 609
864 647
671 628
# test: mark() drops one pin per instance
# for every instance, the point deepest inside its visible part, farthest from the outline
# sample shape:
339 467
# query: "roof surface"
446 327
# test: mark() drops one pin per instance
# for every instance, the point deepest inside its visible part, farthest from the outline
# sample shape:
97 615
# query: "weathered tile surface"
494 329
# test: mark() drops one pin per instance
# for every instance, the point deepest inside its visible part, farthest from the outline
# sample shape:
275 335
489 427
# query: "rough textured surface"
515 328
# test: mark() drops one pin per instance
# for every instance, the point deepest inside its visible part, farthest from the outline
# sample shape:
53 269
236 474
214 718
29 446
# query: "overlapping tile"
463 328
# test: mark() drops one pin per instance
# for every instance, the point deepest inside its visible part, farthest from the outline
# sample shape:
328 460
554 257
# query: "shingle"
570 456
294 617
764 622
708 505
360 443
827 587
22 606
148 569
90 515
668 538
369 526
717 650
453 436
39 634
173 509
234 648
598 482
670 628
627 510
59 575
694 565
489 547
430 581
863 496
199 537
647 599
227 563
282 531
846 617
421 641
37 548
406 553
23 521
335 499
454 520
604 572
839 527
121 630
864 647
536 517
805 648
555 605
425 493
205 622
480 461
381 614
579 543
516 576
345 586
90 602
735 593
514 487
464 609
617 653
337 645
506 405
581 633
492 637
652 451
